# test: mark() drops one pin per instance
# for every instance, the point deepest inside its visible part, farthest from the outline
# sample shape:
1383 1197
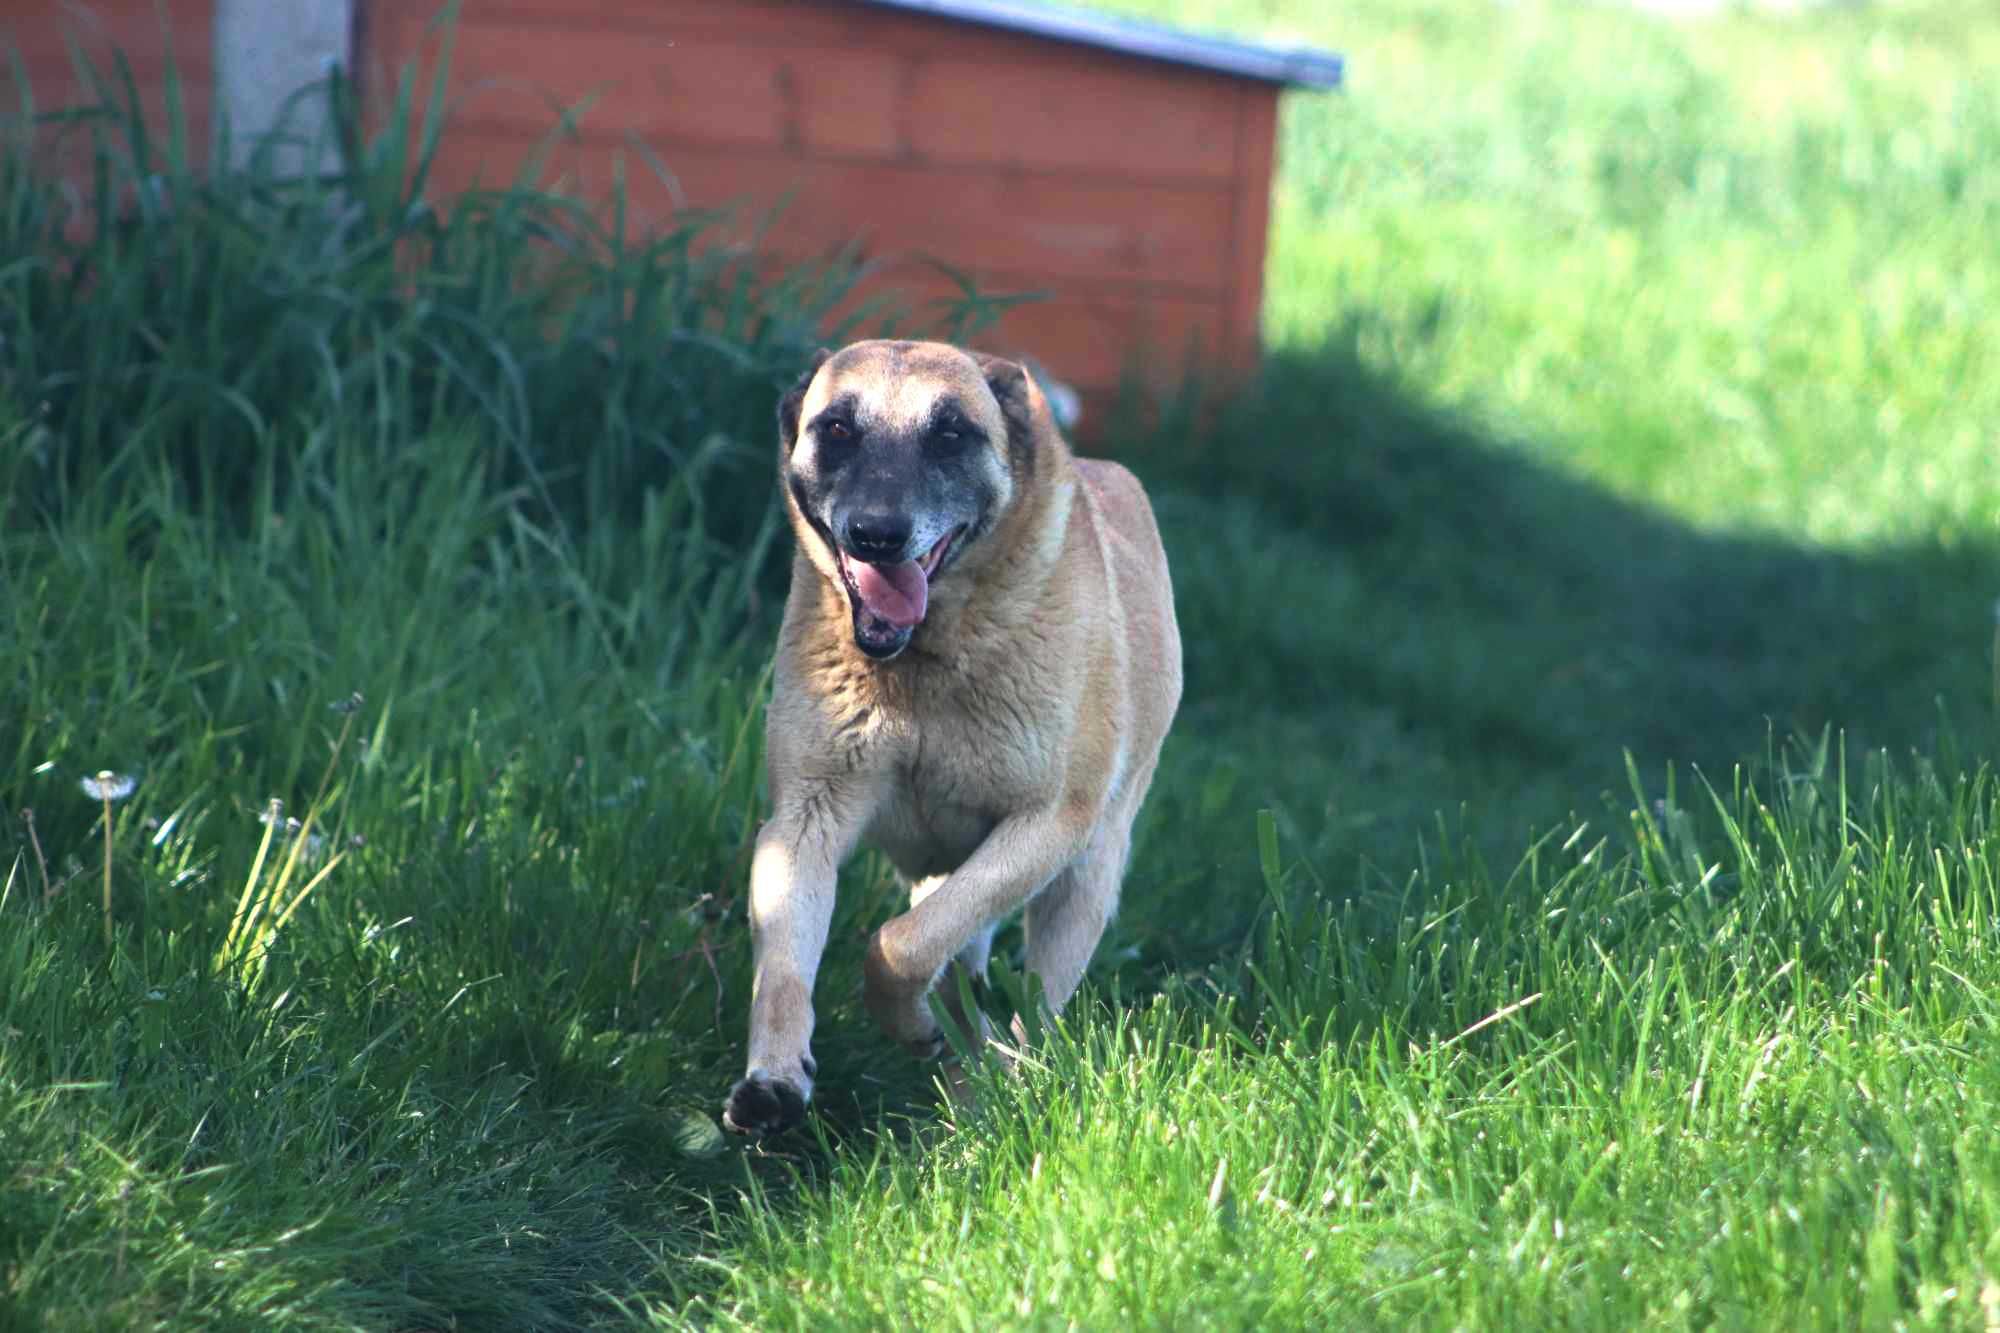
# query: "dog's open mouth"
890 600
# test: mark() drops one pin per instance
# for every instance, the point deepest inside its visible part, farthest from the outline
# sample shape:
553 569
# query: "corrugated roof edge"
1299 66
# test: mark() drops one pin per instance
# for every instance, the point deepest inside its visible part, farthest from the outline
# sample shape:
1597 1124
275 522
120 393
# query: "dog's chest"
950 786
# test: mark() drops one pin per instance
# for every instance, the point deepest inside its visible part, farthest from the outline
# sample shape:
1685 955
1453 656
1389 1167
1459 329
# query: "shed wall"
1133 193
42 39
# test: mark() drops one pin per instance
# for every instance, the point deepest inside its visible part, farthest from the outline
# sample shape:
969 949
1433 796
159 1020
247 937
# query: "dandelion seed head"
108 786
289 827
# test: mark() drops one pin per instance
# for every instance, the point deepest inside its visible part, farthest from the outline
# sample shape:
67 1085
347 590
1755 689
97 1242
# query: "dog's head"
898 458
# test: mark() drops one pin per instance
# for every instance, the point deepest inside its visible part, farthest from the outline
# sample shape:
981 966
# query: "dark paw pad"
760 1105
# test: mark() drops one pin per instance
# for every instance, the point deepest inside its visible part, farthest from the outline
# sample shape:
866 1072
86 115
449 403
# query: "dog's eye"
951 432
836 431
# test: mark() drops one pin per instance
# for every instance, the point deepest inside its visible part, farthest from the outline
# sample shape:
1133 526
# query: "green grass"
1603 1094
1631 394
1753 252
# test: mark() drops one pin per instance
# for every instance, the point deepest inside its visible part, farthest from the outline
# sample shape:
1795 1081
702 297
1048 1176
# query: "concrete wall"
266 51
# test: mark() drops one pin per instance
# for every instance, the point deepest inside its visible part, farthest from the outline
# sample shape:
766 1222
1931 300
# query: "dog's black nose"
878 536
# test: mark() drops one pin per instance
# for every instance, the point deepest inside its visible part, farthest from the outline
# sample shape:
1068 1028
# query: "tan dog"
977 666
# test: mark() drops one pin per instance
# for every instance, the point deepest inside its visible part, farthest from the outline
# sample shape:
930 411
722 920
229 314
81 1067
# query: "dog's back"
1145 598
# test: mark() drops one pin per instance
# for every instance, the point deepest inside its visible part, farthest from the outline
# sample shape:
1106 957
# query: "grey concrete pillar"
265 52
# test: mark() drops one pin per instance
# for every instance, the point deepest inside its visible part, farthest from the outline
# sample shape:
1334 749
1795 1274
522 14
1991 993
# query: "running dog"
977 667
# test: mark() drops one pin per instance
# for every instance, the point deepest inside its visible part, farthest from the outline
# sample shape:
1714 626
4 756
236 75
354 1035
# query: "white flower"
109 786
288 828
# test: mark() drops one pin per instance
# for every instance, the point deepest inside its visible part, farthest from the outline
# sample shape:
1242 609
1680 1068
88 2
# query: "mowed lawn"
1569 898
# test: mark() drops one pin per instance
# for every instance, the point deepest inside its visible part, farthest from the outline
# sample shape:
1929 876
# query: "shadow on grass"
1388 614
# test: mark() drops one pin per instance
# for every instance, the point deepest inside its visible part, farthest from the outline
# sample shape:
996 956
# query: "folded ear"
788 406
1021 403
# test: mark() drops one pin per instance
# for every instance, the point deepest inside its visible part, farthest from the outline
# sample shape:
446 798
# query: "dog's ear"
788 406
1021 403
1010 384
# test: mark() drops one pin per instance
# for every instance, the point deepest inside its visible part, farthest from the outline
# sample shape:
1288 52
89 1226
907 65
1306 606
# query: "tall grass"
1710 1050
1680 1076
1735 267
501 471
219 324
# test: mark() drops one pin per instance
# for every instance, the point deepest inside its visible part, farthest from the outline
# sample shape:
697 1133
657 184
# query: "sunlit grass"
1727 1066
1629 395
1740 268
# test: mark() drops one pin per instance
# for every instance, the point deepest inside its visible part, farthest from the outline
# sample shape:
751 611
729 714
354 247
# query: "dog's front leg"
792 880
905 957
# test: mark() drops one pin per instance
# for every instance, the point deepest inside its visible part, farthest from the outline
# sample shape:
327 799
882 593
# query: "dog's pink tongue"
895 593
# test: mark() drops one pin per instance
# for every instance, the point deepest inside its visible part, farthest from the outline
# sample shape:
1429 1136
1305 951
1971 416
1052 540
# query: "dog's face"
899 457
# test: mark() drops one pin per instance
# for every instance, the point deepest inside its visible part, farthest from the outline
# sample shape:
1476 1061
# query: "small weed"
107 787
269 902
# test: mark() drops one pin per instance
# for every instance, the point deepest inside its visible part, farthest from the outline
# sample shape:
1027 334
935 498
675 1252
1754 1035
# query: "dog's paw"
907 1020
928 1047
761 1104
